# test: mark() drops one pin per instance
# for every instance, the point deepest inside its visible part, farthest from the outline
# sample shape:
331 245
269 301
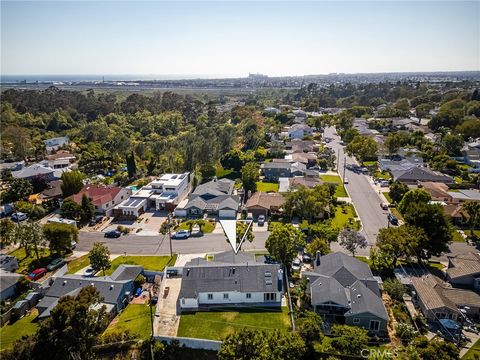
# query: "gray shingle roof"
216 187
200 276
346 269
218 202
8 279
420 174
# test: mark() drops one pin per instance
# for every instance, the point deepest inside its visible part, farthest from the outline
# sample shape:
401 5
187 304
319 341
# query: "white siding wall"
180 212
187 303
233 298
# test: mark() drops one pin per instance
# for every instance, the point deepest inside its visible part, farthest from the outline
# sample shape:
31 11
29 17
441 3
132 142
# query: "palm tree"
472 208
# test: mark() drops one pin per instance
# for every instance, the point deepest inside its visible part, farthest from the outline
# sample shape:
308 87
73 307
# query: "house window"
248 296
183 301
225 296
356 320
210 296
374 325
269 297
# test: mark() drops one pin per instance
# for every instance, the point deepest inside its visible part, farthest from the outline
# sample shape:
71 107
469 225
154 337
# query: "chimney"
317 259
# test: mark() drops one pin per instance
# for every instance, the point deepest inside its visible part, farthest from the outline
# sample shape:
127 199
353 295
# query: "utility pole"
338 158
170 233
344 168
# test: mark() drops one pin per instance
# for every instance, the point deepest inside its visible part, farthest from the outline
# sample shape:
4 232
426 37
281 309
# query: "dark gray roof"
216 187
277 165
420 174
214 202
200 276
126 272
346 269
8 279
363 300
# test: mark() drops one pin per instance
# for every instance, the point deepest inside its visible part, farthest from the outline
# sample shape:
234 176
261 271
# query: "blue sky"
233 38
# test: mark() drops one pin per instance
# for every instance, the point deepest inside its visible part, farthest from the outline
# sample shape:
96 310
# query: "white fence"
192 343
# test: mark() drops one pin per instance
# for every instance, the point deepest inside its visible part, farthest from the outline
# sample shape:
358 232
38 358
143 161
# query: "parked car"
345 181
19 216
97 219
296 264
113 234
73 245
181 234
306 258
384 183
154 300
55 264
261 220
37 274
89 272
384 206
392 219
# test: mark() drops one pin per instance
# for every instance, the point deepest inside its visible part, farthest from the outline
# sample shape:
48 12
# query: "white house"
54 144
230 280
104 198
299 131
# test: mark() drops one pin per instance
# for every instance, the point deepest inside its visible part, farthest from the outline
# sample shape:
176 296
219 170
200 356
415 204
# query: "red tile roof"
99 195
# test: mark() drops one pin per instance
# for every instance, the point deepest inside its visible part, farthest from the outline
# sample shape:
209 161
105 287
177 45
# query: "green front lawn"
23 327
78 264
155 263
457 237
267 187
345 218
208 228
370 163
26 264
474 350
383 175
387 196
134 318
218 324
331 179
220 172
340 191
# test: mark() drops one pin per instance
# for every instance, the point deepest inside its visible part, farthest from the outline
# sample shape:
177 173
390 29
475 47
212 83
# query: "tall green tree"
60 236
29 236
87 209
308 203
18 189
131 165
472 208
415 196
283 241
70 209
362 147
70 332
7 230
72 182
99 257
349 340
397 191
250 176
352 240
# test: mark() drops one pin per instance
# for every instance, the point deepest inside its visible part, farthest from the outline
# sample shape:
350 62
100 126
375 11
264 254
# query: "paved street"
159 245
365 199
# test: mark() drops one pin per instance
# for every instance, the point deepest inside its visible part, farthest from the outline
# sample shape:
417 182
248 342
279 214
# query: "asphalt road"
159 245
365 199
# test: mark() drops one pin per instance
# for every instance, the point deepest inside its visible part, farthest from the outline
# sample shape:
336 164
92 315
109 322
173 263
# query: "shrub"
394 288
139 280
406 332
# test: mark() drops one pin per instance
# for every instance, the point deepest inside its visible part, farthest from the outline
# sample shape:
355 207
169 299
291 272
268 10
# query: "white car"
296 265
181 234
89 272
345 181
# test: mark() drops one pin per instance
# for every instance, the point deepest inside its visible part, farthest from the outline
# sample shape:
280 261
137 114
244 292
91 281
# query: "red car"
37 274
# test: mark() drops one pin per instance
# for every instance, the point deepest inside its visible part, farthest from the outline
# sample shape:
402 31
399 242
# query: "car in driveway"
37 274
306 258
384 206
112 234
392 219
261 220
296 264
384 183
181 234
89 272
55 264
97 219
19 216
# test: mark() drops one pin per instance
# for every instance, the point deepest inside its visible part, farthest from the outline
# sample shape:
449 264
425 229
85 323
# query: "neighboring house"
212 198
11 166
261 203
290 184
272 111
431 300
400 164
104 198
8 284
420 174
308 159
116 290
230 280
463 195
55 143
343 288
53 190
471 155
34 170
164 193
275 170
299 114
438 191
299 131
298 145
8 262
61 159
464 270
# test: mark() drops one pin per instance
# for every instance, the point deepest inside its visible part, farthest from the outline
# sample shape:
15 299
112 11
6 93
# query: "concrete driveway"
167 314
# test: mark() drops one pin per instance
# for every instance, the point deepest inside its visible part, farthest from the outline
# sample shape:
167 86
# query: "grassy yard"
383 175
135 318
221 172
218 324
340 189
474 350
155 263
387 196
30 263
457 237
267 187
10 333
343 219
78 264
208 228
370 163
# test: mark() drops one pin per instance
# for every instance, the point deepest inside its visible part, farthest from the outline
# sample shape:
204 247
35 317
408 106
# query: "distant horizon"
173 77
